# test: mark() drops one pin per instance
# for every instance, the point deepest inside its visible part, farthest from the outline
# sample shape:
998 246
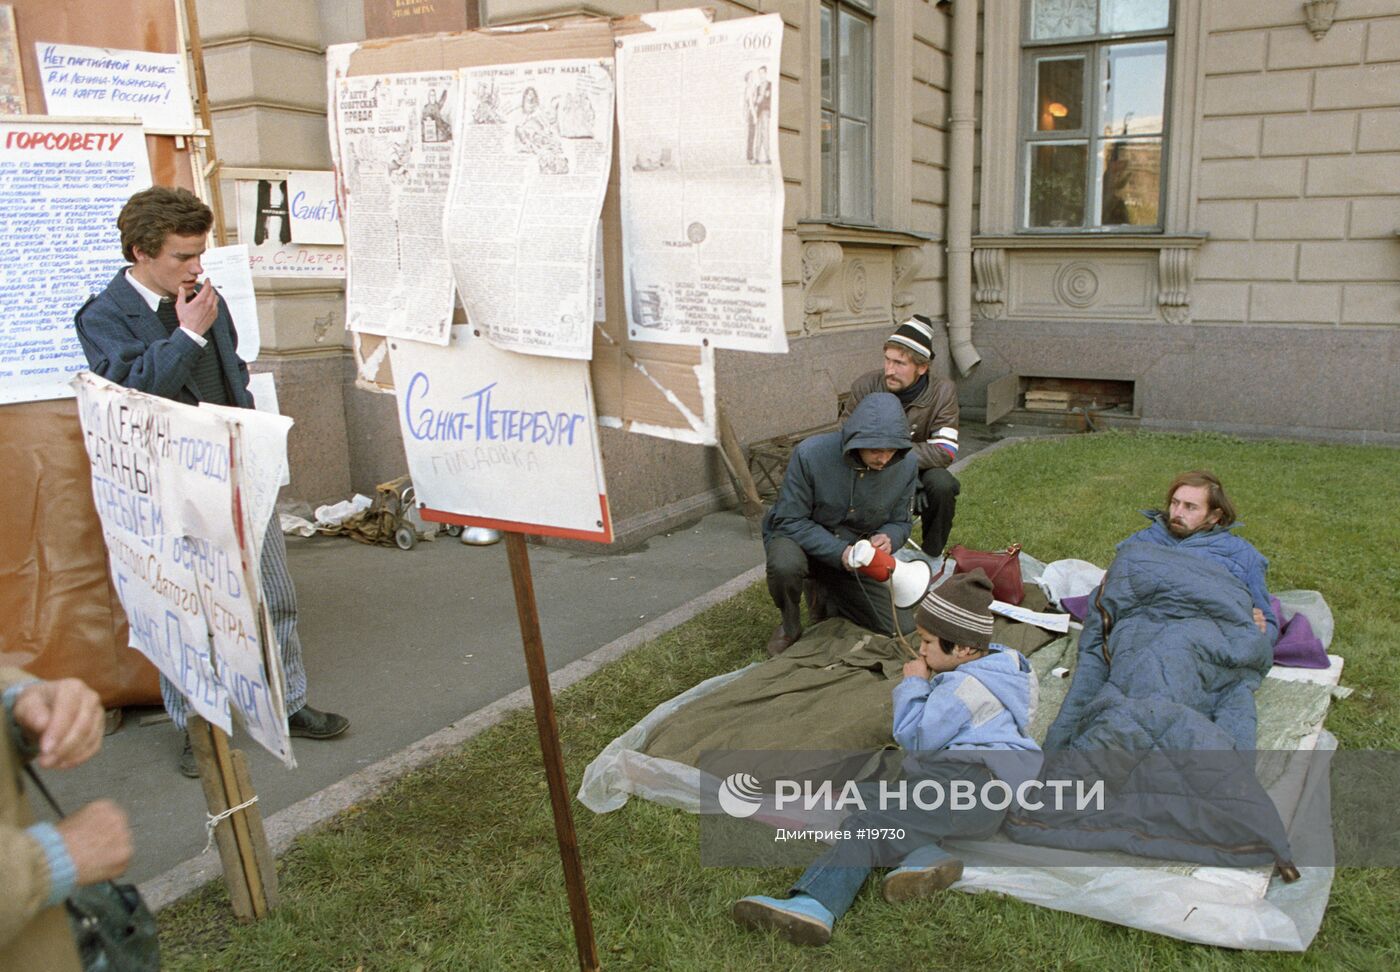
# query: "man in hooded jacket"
853 484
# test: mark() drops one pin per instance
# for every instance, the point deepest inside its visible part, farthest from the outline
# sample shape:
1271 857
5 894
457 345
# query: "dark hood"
877 422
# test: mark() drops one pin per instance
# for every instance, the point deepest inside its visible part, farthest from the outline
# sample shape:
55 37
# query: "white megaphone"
909 579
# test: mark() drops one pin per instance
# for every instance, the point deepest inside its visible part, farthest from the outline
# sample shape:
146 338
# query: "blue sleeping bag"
1161 711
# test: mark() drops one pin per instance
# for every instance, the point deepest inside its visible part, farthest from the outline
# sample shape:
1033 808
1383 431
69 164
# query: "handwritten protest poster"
103 82
533 152
265 227
500 439
61 187
314 210
184 494
702 190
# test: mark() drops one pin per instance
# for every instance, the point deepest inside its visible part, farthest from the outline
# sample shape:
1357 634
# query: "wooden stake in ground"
249 870
549 747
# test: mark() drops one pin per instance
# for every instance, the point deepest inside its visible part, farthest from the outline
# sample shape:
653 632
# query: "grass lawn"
455 867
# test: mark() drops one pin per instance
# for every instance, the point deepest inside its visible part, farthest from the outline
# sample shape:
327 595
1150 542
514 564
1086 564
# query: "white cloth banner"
501 437
395 136
702 190
176 486
103 82
529 173
62 184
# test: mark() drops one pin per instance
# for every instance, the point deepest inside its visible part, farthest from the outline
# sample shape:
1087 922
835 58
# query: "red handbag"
1003 567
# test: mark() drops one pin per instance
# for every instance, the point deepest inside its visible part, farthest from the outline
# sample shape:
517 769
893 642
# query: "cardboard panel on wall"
144 25
658 390
62 616
397 18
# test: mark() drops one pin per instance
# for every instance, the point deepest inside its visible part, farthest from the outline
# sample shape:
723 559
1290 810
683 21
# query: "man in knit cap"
930 405
158 329
962 714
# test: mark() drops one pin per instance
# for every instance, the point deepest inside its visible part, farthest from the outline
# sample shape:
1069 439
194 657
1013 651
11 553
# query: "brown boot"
781 641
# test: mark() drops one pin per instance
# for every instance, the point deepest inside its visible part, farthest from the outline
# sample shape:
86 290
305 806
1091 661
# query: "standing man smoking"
157 329
930 405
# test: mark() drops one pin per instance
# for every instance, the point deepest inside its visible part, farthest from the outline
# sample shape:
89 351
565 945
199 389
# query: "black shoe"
312 723
188 766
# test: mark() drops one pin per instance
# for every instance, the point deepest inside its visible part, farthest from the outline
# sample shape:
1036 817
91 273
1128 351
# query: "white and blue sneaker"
801 919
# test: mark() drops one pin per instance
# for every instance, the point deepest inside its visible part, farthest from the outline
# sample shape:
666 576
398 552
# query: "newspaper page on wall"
395 139
62 184
702 190
184 494
533 152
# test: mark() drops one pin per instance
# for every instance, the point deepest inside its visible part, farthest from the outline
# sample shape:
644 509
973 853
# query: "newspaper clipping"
395 138
702 190
532 157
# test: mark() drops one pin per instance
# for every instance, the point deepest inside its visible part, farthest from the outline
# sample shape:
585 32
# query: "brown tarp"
61 614
831 691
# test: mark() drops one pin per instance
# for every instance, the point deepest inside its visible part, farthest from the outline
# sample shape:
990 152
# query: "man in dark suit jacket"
157 329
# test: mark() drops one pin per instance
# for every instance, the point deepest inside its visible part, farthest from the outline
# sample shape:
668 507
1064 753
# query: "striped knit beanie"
916 334
959 610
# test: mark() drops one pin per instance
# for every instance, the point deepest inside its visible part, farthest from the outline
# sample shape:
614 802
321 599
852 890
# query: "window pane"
853 72
856 202
828 163
1062 18
1132 182
1059 94
1055 196
1134 87
826 56
1120 16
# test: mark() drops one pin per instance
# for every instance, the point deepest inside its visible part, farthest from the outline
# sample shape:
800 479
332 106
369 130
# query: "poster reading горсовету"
702 191
62 184
175 487
533 151
395 133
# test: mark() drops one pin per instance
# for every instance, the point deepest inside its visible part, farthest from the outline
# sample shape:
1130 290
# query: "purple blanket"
1297 646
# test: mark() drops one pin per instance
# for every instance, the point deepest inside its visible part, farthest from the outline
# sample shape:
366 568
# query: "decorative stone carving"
907 261
989 267
819 263
1077 283
1175 266
856 286
1319 14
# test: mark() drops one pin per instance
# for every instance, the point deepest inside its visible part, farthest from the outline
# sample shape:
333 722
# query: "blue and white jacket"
982 709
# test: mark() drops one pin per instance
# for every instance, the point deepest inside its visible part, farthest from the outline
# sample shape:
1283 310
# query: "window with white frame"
847 109
1093 115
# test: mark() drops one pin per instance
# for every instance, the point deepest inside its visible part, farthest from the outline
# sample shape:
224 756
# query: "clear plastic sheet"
1235 908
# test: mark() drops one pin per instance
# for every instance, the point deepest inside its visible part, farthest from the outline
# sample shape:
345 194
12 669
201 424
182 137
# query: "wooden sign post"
249 870
548 728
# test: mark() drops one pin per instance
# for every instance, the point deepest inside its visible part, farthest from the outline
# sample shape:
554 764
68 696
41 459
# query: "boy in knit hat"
962 714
